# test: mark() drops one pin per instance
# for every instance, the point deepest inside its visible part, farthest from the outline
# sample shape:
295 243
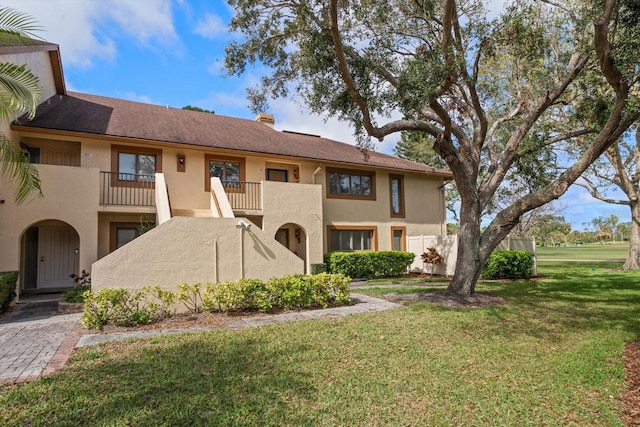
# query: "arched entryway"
49 255
294 238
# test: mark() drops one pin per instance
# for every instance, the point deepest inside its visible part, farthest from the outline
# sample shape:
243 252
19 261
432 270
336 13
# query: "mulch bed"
631 397
181 321
477 300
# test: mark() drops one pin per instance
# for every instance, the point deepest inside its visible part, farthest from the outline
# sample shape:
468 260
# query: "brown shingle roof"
91 114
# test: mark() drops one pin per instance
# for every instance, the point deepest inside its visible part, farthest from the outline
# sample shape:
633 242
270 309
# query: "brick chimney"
266 118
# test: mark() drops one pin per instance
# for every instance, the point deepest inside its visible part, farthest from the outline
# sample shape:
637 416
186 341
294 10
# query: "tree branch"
346 75
588 185
603 50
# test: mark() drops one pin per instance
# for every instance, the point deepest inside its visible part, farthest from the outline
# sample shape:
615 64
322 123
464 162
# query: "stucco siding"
423 208
194 250
70 194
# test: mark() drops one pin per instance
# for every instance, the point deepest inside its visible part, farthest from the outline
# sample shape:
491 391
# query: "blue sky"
170 53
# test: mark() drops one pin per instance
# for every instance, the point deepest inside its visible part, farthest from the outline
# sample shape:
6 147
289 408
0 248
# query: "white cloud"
291 115
210 27
216 67
85 30
146 21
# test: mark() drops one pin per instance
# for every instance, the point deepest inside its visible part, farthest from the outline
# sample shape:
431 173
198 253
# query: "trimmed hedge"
369 264
125 307
508 265
8 281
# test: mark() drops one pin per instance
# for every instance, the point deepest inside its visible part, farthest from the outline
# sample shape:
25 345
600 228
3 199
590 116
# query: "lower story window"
122 233
398 238
352 239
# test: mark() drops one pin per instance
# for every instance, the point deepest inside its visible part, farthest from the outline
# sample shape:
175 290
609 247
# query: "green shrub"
334 285
163 300
318 268
120 307
8 281
288 292
75 294
508 265
123 307
190 296
369 264
237 295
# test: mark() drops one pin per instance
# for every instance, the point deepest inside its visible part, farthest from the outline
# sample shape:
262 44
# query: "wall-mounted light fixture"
297 234
182 163
243 224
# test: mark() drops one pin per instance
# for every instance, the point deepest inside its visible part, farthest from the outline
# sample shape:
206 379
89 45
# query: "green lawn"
551 356
591 251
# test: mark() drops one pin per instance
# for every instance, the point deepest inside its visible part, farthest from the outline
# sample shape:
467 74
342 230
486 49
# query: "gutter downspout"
315 172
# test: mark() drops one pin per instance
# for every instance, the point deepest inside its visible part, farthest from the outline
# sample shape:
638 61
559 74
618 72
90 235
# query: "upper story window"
52 152
396 188
351 184
136 164
230 170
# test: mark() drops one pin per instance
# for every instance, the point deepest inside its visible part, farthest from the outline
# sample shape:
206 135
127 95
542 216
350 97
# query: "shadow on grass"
220 379
571 300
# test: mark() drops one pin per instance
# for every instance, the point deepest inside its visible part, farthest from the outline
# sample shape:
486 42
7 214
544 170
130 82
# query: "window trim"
269 170
403 242
129 149
208 158
374 236
359 172
113 229
400 178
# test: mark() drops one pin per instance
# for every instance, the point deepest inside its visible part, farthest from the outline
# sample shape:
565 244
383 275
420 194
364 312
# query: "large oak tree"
498 96
619 168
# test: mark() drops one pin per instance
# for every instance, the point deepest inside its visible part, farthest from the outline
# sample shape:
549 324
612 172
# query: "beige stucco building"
283 199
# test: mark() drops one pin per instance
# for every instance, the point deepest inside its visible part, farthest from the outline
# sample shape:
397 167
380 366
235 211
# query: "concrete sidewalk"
34 342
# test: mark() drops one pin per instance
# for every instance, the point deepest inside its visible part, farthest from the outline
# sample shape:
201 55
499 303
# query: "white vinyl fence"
447 246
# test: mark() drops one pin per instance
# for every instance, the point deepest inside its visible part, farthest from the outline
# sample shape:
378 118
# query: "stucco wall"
300 204
194 250
303 203
424 208
70 194
40 65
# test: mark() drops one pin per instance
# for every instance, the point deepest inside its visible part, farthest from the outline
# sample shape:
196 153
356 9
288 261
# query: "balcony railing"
127 189
244 196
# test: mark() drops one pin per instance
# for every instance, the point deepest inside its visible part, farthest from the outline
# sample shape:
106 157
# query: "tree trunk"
633 258
468 260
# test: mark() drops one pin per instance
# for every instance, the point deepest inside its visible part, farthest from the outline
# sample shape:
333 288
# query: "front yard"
552 355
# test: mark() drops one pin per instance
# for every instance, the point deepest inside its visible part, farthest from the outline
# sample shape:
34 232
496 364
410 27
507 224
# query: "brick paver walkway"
29 349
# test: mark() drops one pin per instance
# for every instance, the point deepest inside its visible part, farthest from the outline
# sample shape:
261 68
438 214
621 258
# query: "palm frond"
15 165
16 26
19 91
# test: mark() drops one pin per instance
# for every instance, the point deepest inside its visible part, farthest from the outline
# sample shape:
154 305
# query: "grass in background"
406 280
550 356
591 251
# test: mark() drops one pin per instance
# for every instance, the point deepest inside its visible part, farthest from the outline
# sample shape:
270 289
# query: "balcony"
244 196
127 189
